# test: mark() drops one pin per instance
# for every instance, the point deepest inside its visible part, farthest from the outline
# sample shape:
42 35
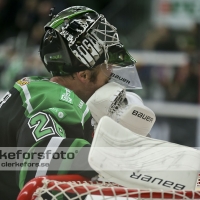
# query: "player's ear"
84 76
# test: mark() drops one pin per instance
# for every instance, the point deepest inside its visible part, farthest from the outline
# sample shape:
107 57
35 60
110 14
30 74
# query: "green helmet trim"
60 20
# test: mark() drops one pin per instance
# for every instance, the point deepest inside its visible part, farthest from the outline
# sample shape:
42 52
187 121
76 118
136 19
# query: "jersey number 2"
40 129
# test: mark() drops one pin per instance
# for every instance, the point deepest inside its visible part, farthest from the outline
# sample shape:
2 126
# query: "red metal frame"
28 190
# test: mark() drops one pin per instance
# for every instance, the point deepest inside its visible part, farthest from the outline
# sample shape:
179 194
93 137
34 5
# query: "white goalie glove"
126 108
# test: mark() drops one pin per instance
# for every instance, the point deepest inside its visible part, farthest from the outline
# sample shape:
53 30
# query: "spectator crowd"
22 26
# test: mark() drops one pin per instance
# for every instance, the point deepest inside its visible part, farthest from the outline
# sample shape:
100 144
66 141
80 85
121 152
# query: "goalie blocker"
126 108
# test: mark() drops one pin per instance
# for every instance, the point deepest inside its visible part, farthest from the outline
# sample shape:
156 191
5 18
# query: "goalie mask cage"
64 185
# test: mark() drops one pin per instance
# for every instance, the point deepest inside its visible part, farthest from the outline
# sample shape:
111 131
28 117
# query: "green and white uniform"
40 113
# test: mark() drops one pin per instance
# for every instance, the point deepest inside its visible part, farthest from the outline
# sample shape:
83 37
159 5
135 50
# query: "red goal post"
80 186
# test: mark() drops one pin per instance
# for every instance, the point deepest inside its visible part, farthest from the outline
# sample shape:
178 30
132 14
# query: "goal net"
77 187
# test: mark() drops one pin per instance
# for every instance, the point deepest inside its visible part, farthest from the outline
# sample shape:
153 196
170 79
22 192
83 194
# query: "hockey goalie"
122 152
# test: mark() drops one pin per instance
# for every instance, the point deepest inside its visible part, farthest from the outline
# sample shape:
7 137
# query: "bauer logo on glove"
142 115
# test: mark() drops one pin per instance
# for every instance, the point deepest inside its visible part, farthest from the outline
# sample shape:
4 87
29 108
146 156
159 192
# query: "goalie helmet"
78 38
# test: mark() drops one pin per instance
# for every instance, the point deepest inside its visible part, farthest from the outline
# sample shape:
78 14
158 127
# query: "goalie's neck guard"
126 76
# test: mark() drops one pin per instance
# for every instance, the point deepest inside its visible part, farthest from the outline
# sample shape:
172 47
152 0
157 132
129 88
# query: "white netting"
75 187
55 189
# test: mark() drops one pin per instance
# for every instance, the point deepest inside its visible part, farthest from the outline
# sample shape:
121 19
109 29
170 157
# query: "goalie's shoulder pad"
106 100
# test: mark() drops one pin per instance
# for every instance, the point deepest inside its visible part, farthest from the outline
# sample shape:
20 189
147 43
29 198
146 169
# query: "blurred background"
162 35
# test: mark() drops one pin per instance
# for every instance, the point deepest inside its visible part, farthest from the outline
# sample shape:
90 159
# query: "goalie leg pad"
132 160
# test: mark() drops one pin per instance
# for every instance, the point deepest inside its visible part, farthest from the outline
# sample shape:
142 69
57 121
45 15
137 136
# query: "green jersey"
39 113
